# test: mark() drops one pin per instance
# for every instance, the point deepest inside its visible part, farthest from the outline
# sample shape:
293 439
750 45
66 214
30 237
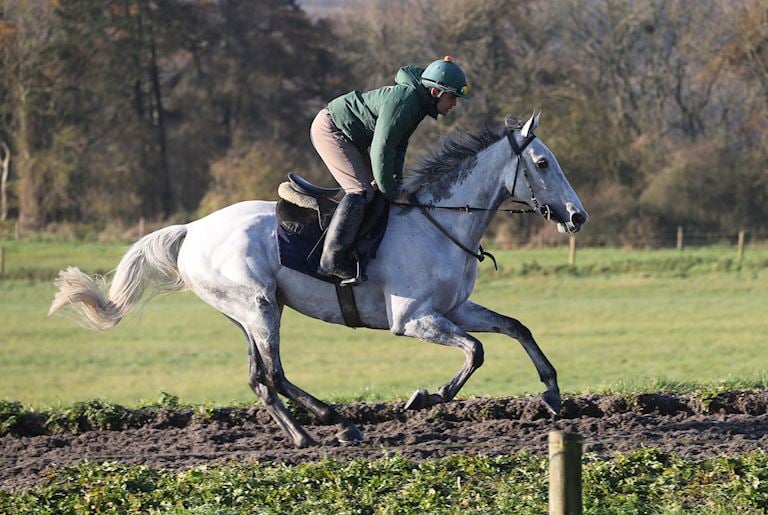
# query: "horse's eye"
542 163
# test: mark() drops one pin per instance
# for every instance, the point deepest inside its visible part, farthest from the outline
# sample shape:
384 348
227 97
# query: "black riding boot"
337 259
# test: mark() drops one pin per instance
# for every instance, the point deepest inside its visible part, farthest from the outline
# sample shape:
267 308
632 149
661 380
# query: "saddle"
304 212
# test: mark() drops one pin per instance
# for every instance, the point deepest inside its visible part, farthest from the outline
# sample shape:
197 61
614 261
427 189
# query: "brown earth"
729 423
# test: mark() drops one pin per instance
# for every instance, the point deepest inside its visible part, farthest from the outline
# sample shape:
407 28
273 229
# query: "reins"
480 255
464 209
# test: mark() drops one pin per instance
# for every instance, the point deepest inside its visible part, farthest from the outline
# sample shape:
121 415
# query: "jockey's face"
445 101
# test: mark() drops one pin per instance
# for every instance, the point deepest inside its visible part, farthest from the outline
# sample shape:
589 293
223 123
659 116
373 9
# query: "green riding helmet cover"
446 75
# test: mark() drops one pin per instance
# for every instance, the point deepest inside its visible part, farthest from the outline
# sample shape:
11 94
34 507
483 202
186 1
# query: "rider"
362 139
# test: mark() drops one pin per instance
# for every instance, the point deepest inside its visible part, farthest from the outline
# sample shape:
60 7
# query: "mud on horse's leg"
434 328
475 318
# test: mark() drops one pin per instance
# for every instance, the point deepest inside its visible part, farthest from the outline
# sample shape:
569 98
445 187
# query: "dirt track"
731 423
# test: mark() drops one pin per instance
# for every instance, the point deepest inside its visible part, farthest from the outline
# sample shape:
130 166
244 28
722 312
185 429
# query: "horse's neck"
480 189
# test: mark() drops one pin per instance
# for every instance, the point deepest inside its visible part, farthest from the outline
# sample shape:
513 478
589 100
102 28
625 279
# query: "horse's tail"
152 259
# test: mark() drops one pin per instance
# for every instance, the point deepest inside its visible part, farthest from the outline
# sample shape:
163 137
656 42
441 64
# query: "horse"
418 285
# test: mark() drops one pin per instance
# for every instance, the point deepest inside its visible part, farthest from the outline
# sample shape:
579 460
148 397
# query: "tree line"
113 110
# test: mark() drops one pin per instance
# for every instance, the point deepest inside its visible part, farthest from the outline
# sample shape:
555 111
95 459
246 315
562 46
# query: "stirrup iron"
357 279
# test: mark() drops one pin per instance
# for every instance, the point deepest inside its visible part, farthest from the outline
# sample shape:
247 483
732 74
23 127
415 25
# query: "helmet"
446 75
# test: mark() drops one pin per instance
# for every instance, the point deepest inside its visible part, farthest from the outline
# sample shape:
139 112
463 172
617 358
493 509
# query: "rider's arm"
394 125
400 160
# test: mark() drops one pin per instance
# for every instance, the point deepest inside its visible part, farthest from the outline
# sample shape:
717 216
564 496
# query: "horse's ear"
531 124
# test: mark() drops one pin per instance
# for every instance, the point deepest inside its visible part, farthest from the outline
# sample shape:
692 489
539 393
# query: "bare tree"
24 64
747 60
749 38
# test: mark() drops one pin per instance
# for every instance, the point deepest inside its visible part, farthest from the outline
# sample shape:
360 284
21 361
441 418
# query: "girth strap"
348 306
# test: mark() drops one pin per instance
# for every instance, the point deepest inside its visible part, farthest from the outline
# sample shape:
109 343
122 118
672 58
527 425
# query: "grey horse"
418 286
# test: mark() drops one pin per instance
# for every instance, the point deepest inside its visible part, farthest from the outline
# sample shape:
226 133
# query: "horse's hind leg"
435 328
272 403
281 415
348 431
263 329
475 318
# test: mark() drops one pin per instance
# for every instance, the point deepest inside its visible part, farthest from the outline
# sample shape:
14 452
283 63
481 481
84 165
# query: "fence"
679 239
565 473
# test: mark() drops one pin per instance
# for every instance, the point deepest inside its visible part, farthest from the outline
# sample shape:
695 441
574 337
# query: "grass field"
620 320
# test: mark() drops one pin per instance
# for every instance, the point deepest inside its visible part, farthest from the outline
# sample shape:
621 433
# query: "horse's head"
534 177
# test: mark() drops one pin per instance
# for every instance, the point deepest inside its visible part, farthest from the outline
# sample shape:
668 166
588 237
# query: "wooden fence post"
141 227
564 473
572 251
740 251
679 237
16 231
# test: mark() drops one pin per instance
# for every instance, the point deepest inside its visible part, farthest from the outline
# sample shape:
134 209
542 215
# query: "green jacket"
384 119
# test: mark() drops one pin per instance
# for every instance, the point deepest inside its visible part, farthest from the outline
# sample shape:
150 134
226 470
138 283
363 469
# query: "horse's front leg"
435 328
472 317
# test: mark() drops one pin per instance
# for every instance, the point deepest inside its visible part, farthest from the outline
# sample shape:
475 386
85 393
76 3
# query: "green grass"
637 320
42 260
643 482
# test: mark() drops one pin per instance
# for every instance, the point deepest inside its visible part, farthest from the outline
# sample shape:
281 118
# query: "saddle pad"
294 249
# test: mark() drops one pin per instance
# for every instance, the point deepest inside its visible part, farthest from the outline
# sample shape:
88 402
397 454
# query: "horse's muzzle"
573 222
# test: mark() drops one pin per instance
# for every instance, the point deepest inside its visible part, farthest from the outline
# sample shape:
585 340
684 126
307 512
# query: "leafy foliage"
10 415
88 415
646 481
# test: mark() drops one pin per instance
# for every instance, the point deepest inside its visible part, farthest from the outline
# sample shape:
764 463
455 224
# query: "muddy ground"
730 423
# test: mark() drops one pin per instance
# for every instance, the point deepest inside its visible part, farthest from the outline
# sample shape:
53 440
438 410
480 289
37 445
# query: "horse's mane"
456 156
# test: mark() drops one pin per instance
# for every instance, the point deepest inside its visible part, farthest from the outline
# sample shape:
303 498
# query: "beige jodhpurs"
349 166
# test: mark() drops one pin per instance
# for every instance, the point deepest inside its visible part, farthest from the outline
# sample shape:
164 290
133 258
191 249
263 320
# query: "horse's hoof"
350 434
304 442
434 398
551 400
418 400
423 399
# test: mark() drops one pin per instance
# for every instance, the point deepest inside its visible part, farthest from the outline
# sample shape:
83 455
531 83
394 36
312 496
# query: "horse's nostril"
578 218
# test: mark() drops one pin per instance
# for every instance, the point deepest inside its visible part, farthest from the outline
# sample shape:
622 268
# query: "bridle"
517 150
